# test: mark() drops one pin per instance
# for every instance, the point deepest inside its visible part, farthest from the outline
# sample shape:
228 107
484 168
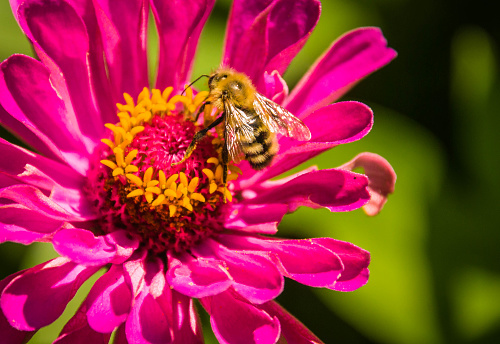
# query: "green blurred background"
435 271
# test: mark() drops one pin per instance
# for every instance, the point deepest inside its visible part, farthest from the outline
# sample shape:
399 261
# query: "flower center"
134 187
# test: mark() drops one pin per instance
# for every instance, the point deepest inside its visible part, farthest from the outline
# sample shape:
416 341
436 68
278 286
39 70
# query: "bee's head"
228 85
215 79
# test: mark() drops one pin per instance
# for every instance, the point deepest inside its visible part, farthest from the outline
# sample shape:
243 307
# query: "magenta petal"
266 35
352 57
236 321
354 259
302 260
39 296
256 218
340 123
82 247
148 321
124 30
255 276
134 271
10 334
275 87
292 330
109 301
32 198
13 118
381 176
62 43
27 81
16 161
334 189
179 26
197 277
307 263
187 325
98 68
63 184
330 126
289 27
246 42
16 126
354 283
21 225
77 331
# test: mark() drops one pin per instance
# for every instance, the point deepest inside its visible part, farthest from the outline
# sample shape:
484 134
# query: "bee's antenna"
191 84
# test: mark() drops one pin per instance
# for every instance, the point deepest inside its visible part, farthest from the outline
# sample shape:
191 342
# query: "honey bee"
251 121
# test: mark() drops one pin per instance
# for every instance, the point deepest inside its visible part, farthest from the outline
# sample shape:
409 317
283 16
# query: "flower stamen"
162 203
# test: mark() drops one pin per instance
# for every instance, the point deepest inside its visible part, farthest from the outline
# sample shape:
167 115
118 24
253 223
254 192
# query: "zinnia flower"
100 187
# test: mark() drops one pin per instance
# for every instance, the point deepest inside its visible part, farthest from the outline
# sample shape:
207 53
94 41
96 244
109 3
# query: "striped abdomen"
261 148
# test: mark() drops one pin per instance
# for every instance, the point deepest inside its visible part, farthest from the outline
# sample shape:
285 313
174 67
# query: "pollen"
169 207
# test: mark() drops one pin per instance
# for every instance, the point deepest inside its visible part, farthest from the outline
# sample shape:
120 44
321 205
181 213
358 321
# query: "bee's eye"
223 76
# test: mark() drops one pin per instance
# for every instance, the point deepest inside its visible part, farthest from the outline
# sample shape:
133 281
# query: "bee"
251 121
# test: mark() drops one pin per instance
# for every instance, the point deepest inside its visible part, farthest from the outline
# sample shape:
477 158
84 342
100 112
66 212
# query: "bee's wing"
236 131
280 120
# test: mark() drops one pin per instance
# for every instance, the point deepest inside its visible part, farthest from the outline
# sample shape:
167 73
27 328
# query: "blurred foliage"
435 272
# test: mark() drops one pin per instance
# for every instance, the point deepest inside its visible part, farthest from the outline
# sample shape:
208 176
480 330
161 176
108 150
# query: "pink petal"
14 4
266 35
73 200
98 69
124 29
77 331
334 189
254 275
339 123
147 322
289 27
236 321
134 271
197 277
39 296
109 301
292 330
62 183
62 43
354 259
354 283
82 247
21 225
10 334
32 198
187 326
6 181
256 218
15 160
179 26
381 176
275 87
301 260
330 126
15 120
151 316
9 120
26 82
349 59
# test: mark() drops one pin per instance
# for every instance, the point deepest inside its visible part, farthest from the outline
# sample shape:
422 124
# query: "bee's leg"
200 110
197 137
225 161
